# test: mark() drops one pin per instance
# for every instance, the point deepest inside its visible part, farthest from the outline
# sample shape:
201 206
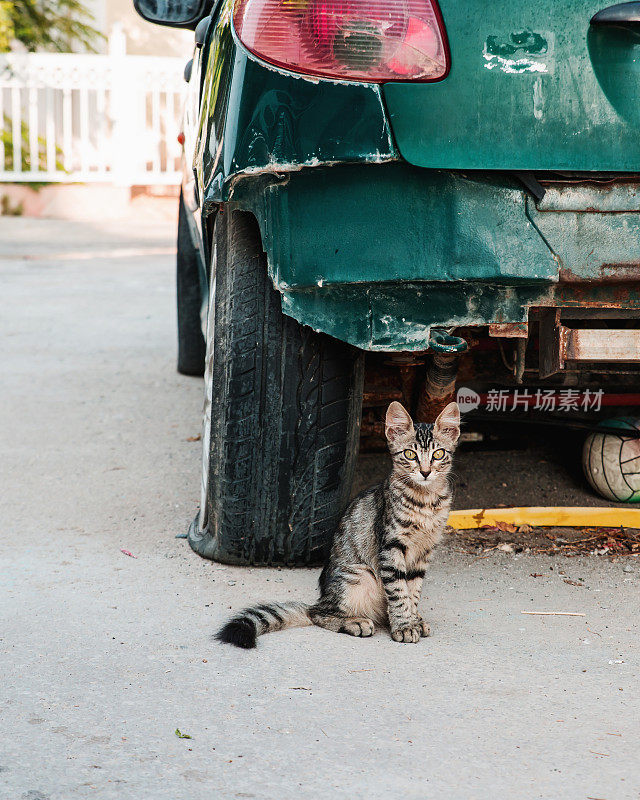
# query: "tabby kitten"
380 551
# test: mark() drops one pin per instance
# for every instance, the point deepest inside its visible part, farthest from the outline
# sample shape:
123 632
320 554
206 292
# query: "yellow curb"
541 516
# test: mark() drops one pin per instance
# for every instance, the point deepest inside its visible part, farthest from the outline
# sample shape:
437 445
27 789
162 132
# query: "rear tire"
281 445
191 345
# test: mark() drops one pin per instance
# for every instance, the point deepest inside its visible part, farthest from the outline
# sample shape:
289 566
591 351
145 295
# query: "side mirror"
175 13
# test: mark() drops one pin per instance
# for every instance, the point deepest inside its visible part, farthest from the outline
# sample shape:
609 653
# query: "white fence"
84 118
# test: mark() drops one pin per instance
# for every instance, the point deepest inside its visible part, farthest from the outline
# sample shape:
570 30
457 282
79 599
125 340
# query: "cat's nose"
425 473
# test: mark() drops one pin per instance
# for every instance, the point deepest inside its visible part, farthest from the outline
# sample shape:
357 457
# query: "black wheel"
191 345
281 421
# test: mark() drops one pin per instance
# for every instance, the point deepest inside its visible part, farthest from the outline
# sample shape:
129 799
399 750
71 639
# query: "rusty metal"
377 397
412 359
607 273
560 343
439 386
587 344
574 291
551 349
372 428
381 383
407 365
509 330
440 379
620 272
521 349
372 438
591 196
408 380
599 313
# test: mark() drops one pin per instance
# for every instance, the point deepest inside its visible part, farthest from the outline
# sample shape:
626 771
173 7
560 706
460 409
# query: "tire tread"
274 497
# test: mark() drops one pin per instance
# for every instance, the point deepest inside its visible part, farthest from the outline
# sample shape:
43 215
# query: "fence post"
123 109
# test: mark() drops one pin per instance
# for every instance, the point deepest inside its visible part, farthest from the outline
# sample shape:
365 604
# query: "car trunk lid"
532 86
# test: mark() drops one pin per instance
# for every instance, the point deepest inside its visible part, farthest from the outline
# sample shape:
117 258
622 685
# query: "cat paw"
425 628
411 633
358 626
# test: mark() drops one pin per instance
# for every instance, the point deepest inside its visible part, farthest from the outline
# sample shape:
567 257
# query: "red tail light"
374 41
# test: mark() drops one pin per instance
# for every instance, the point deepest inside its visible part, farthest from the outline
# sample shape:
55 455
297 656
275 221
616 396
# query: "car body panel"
256 118
591 244
376 255
399 317
532 86
393 222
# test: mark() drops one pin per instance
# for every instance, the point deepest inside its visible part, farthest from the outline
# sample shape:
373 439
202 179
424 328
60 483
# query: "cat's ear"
398 423
447 427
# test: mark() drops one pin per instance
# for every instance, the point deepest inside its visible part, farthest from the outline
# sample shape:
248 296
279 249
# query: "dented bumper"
377 255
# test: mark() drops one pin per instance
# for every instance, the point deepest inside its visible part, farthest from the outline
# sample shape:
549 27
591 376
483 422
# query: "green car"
391 191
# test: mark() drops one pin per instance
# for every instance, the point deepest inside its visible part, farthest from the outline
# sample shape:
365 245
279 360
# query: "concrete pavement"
104 655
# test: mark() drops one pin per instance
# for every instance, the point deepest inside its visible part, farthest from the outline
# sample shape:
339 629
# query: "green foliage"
8 210
54 25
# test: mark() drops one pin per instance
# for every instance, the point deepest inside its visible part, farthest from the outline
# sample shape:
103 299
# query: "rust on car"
601 345
509 330
607 273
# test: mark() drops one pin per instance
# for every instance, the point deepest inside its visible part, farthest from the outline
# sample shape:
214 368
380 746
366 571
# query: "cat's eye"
438 454
410 455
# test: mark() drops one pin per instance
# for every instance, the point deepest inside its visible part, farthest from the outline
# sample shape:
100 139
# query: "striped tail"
243 629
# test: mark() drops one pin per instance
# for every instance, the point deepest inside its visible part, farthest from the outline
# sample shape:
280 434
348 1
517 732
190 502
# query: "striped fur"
243 629
382 546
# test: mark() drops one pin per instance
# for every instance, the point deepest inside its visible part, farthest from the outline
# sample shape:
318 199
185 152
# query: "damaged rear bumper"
377 255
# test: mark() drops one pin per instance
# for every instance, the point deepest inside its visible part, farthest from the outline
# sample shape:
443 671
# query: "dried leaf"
507 527
194 438
525 528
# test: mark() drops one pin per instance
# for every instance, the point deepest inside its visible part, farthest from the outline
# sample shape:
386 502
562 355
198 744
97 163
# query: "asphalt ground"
103 655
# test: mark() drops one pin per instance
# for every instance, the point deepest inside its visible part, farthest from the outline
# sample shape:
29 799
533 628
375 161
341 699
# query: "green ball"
611 462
